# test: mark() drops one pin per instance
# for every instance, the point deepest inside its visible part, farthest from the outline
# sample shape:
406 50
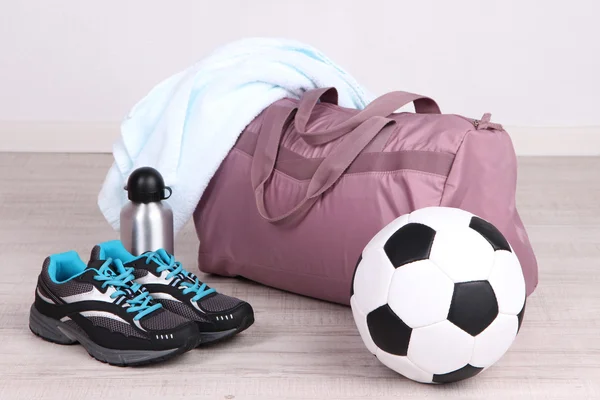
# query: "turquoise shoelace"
123 279
167 263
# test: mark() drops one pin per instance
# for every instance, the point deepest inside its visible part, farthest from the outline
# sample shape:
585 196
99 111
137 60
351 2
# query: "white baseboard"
556 141
58 137
98 137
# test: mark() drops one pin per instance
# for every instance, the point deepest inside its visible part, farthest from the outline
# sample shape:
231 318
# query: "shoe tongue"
164 259
95 264
163 256
103 267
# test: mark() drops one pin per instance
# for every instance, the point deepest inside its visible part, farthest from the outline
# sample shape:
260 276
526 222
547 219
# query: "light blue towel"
187 124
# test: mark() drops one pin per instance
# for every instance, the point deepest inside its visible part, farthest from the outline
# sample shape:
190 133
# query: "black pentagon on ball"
474 306
354 275
468 371
490 233
388 331
410 243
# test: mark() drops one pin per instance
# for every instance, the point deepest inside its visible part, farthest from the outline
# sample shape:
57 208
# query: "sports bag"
309 183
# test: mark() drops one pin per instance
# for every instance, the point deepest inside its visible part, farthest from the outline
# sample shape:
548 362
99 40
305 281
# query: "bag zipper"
484 123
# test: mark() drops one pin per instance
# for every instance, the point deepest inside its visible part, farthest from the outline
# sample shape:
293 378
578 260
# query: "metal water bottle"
146 220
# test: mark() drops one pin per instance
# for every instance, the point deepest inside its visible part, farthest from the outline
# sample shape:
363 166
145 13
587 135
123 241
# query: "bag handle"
381 106
326 175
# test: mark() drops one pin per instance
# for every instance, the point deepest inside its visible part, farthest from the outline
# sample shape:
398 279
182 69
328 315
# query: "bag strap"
326 175
381 106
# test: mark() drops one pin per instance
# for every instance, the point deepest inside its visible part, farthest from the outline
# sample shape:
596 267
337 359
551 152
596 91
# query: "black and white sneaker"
99 306
218 316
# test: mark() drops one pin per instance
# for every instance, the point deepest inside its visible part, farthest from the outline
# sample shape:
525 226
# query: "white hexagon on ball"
440 348
384 234
420 294
372 280
403 366
463 254
441 218
360 319
494 341
508 282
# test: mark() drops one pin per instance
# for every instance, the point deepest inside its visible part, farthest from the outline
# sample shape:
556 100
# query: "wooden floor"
298 348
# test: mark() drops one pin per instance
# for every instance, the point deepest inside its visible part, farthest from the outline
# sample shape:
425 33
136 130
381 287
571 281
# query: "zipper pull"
485 123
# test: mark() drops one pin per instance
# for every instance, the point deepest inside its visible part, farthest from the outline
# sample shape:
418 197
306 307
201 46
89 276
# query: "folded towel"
187 124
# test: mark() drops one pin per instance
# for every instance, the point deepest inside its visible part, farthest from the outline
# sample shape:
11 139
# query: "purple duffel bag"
309 183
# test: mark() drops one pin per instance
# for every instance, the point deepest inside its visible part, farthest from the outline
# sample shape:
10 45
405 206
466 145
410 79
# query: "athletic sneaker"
218 316
100 307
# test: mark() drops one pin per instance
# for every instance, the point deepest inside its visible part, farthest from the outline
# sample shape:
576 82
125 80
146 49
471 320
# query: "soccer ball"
438 295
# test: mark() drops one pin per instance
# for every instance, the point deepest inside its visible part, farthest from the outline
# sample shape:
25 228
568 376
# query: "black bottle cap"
146 185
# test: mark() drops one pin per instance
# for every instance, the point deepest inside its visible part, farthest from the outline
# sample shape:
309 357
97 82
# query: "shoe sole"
58 332
209 338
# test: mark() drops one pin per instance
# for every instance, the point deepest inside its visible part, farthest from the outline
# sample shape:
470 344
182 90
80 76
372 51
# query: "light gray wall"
531 63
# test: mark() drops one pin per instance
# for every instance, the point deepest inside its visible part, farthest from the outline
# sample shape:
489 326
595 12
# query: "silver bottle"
147 220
